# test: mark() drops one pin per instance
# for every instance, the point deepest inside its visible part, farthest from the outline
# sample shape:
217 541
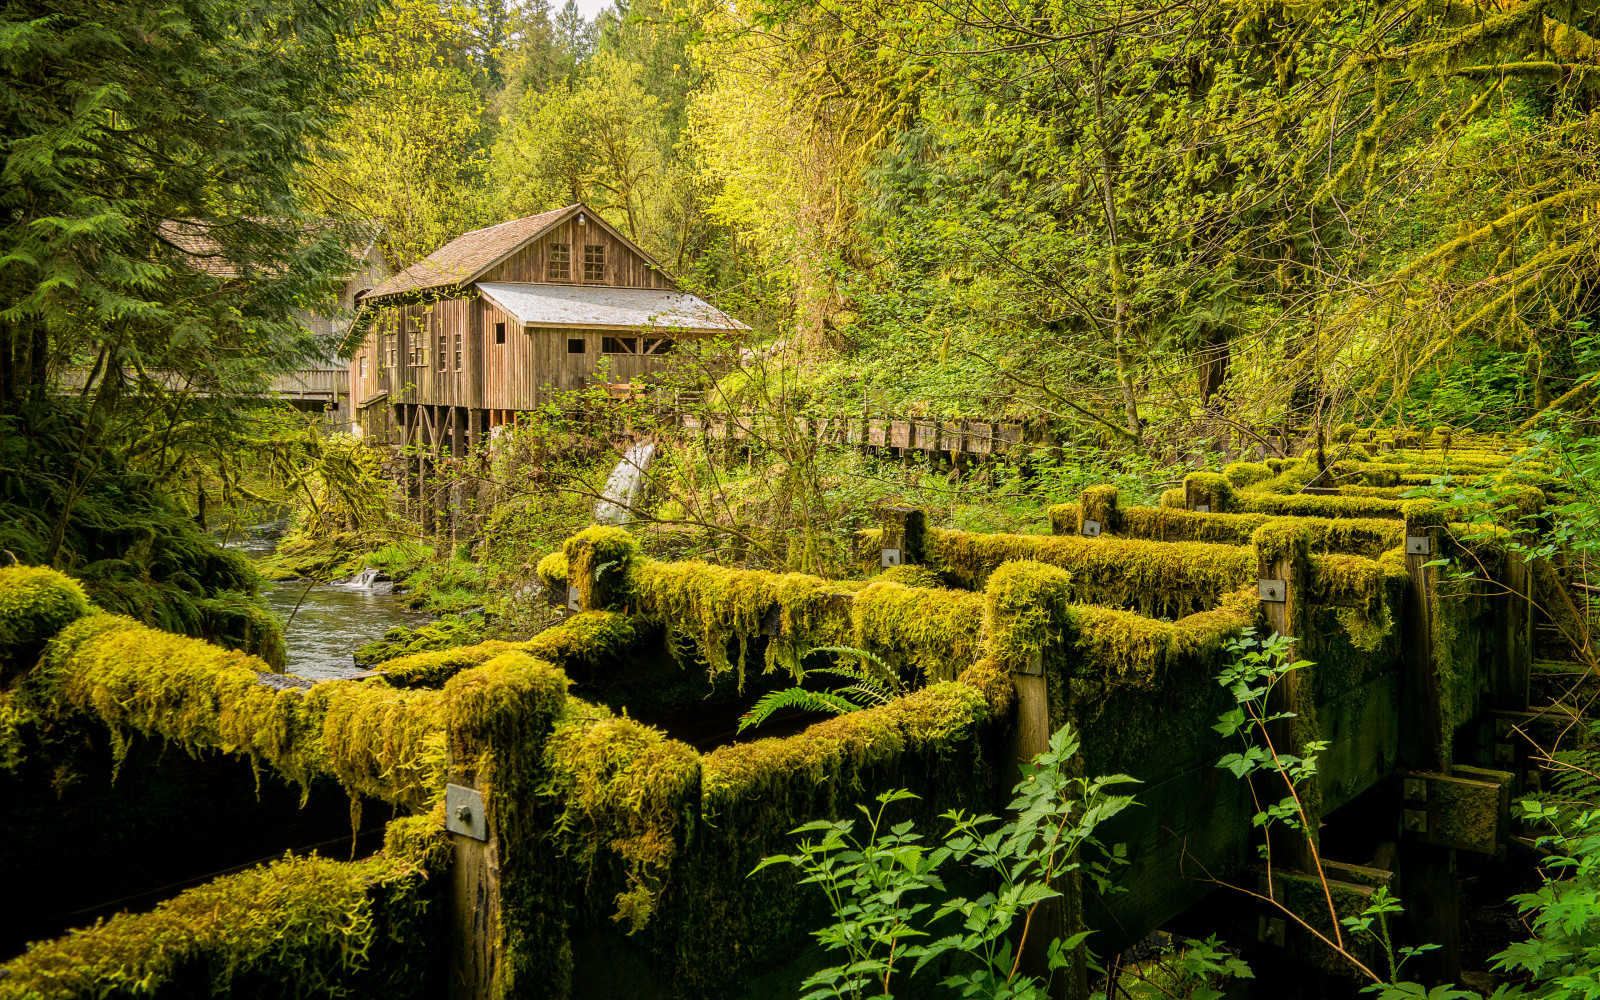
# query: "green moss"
717 609
587 637
420 841
446 633
598 558
552 571
433 668
628 789
1025 606
35 603
1242 474
1343 433
1099 503
1173 498
373 739
1209 488
302 926
1172 578
745 776
936 632
910 576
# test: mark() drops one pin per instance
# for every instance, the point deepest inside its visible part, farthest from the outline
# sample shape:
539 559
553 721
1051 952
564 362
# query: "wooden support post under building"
1432 896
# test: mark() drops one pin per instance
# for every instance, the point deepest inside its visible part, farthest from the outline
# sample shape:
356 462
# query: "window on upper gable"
594 262
560 267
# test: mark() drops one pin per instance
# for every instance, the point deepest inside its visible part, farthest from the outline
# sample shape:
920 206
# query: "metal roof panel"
537 304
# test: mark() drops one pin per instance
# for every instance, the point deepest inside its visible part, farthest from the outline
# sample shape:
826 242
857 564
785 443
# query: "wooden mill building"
497 320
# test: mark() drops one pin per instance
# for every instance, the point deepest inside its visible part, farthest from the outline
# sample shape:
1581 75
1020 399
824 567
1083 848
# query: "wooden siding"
624 266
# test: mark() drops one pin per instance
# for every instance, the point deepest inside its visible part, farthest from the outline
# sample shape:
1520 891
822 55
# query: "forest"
1190 407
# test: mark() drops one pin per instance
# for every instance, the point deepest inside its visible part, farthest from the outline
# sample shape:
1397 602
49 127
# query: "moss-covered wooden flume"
624 815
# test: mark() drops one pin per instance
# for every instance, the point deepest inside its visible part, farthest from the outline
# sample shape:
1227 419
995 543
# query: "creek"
334 619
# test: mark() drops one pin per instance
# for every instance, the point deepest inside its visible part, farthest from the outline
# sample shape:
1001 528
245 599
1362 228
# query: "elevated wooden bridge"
586 812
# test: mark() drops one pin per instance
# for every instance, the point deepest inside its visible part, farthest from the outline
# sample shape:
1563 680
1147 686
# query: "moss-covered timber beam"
306 926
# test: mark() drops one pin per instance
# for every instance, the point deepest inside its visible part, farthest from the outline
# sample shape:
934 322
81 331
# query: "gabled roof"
590 306
471 255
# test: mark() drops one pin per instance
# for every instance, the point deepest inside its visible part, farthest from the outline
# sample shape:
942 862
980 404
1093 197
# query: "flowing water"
625 485
334 619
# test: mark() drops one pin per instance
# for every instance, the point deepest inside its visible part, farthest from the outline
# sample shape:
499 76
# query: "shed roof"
534 304
471 254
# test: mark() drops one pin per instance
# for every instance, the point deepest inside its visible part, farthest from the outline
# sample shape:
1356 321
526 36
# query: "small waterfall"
625 485
365 579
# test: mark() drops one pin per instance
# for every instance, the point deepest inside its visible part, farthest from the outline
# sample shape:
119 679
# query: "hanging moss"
1368 537
934 632
35 603
625 788
715 608
420 841
303 926
373 739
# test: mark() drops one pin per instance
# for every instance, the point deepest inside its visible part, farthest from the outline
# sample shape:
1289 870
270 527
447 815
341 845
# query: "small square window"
560 266
575 345
499 333
594 262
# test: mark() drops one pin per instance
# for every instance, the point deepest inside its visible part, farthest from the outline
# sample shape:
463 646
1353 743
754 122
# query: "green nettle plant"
1260 666
894 915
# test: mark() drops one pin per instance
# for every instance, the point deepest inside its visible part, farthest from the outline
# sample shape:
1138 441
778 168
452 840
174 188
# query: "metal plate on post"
1202 508
464 813
572 599
889 557
1272 590
1091 529
1418 545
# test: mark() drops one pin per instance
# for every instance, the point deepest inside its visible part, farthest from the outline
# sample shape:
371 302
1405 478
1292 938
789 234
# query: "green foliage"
872 682
882 886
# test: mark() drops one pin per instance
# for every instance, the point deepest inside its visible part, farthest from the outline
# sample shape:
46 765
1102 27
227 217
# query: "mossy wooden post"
1098 512
1283 559
905 531
1513 663
473 900
1427 871
1207 493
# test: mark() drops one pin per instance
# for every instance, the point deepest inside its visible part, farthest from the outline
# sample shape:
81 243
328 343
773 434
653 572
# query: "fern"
873 683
